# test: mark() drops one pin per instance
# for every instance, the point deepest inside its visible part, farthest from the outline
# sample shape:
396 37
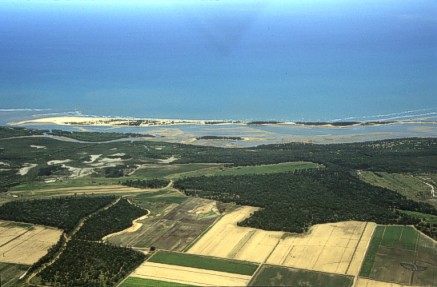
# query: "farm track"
67 238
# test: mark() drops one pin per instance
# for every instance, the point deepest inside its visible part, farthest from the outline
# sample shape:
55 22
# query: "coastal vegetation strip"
204 262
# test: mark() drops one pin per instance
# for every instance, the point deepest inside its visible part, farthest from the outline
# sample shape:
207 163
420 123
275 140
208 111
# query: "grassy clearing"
9 274
142 282
406 184
162 196
281 276
78 182
175 170
428 218
204 262
256 169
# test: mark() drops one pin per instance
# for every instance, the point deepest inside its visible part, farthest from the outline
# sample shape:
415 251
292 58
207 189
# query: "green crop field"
256 169
142 282
402 255
282 276
204 262
10 273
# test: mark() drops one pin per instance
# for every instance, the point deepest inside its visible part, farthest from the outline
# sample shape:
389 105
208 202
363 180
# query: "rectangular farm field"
204 262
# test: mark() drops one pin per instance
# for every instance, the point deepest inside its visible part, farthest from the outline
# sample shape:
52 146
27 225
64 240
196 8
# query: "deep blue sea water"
228 59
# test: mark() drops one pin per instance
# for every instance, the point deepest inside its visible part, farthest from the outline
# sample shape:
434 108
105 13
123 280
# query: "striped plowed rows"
25 245
333 247
190 276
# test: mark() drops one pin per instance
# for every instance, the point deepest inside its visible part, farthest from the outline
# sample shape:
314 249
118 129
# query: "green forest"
91 264
296 200
113 219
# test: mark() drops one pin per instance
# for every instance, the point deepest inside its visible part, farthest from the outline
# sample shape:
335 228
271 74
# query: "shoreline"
145 122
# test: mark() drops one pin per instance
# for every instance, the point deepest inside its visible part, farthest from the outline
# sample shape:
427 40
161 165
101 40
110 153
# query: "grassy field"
10 273
392 245
429 218
407 184
281 276
256 169
142 282
203 262
164 196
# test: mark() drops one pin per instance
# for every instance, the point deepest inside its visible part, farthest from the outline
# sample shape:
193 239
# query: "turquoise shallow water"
243 60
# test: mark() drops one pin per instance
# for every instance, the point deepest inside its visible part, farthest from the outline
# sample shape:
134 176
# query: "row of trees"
147 183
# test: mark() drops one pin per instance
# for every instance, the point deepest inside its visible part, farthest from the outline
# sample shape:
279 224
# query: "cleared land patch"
281 276
190 276
25 243
172 228
203 262
402 255
333 247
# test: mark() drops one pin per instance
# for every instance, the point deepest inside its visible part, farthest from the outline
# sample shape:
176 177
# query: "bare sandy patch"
26 168
25 245
191 276
58 161
209 207
361 282
4 163
168 160
136 224
38 146
93 158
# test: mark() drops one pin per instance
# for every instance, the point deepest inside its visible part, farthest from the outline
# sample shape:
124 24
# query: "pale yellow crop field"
361 282
190 276
226 239
332 247
25 243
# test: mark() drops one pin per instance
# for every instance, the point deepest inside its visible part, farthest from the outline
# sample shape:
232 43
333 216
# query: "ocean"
233 60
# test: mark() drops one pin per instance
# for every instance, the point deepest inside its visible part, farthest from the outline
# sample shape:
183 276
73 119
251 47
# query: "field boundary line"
356 247
209 256
18 236
189 246
257 271
364 258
